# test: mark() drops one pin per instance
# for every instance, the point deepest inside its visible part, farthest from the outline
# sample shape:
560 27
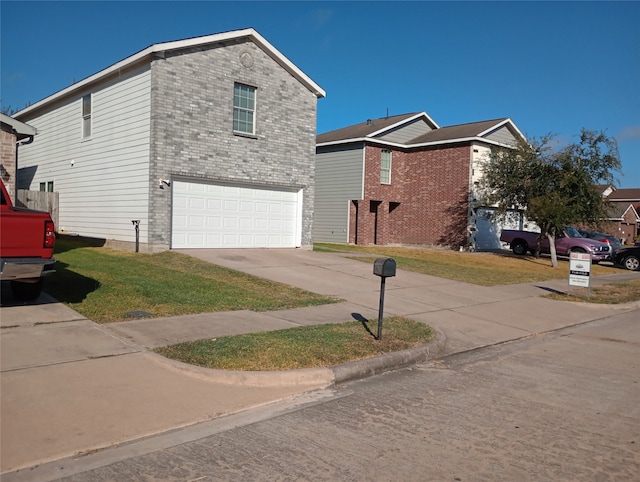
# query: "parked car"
567 241
603 238
628 258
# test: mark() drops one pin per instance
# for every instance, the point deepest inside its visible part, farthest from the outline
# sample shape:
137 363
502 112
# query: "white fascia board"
179 44
19 127
405 121
500 124
363 139
413 146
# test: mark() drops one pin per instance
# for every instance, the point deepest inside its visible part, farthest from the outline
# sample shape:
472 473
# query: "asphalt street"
560 406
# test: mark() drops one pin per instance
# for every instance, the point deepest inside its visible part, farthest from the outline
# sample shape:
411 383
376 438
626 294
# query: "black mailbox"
384 267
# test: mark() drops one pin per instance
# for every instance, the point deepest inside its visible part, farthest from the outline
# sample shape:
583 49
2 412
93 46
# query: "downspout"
15 182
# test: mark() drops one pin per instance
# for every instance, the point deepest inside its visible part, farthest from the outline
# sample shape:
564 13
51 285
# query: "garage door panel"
209 215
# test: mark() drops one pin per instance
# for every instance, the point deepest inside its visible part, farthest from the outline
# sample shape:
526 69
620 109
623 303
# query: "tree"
555 188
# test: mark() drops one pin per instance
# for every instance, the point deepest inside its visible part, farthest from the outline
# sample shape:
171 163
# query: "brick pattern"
191 127
8 162
425 204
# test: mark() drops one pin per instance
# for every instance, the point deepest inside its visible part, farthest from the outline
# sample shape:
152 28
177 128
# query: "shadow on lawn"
68 286
363 321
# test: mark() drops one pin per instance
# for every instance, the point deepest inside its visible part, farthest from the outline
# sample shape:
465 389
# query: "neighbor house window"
46 186
86 116
385 167
244 108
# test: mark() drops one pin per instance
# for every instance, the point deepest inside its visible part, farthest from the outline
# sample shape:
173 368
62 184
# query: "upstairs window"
86 116
244 109
385 167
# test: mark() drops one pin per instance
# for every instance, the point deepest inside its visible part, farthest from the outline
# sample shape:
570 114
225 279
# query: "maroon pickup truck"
26 247
568 241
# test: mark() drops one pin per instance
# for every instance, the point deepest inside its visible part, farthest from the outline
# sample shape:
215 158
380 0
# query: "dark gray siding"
339 179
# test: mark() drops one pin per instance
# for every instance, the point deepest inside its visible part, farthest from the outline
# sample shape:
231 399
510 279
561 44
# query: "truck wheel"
27 289
631 263
519 247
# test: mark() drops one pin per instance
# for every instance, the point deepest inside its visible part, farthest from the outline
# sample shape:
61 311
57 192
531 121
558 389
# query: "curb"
311 377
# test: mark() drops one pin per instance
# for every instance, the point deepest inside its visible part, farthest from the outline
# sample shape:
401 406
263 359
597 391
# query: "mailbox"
384 267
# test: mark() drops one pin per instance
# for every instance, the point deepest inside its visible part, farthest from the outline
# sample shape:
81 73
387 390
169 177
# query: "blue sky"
552 67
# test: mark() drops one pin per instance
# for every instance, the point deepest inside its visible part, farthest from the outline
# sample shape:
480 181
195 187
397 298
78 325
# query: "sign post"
580 270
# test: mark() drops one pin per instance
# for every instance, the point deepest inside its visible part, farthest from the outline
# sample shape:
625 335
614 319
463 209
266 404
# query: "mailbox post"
385 268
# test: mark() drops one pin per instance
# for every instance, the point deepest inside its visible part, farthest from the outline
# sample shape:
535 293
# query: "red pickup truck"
26 247
569 240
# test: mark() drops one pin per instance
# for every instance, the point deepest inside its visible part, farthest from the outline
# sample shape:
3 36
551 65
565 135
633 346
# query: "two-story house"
405 180
207 142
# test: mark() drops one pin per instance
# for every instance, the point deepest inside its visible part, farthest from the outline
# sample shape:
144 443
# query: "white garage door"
225 216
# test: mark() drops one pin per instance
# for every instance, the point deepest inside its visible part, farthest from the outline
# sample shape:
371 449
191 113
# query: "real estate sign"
579 269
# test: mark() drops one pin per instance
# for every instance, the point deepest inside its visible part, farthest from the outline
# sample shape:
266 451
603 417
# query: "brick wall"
191 127
8 162
425 204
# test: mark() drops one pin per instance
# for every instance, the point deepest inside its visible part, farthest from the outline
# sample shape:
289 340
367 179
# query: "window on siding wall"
385 167
46 186
86 116
244 108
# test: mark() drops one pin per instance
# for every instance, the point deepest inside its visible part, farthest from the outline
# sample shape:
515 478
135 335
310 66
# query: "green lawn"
105 284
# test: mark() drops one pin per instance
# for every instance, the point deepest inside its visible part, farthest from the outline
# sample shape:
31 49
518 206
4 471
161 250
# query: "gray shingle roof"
439 134
461 131
363 129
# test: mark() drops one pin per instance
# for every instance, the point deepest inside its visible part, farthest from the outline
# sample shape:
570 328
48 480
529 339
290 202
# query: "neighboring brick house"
624 218
13 133
405 180
208 142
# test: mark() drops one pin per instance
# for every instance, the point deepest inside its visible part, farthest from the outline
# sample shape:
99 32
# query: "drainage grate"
138 314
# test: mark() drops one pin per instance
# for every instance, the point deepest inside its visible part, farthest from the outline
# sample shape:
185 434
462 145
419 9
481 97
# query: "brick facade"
425 204
8 161
191 127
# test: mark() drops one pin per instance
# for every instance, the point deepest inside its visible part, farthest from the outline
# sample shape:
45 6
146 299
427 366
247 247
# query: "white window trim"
253 111
86 117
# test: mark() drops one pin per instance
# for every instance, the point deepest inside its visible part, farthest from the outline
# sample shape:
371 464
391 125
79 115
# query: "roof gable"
377 128
498 131
145 56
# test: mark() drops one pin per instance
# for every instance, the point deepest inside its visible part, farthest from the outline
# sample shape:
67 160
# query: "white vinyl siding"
234 216
339 179
103 184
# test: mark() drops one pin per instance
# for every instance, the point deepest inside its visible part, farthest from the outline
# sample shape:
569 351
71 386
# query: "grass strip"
484 269
612 294
302 347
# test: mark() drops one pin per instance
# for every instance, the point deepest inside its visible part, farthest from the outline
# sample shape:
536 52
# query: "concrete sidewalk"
70 386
